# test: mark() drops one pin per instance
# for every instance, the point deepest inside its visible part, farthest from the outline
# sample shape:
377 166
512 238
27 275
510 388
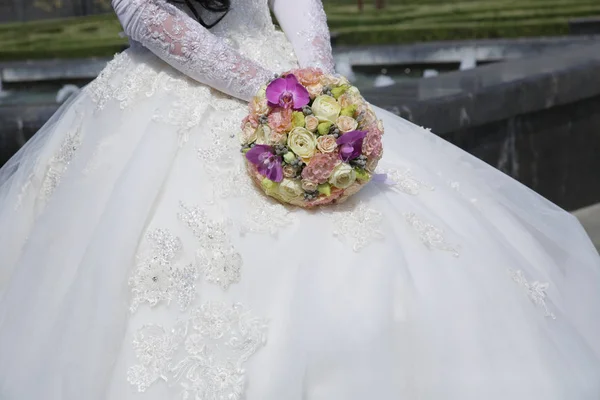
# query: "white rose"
346 124
343 176
262 133
311 122
248 134
302 142
326 108
290 189
372 165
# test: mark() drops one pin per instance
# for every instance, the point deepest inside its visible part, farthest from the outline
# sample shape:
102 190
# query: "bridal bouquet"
310 139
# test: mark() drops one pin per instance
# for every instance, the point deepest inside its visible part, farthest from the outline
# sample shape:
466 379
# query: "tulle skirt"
139 261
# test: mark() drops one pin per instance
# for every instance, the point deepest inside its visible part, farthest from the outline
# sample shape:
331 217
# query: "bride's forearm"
305 24
183 43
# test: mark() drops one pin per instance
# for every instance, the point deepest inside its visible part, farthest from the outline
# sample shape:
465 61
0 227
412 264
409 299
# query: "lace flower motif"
217 258
431 236
357 222
158 277
536 291
204 353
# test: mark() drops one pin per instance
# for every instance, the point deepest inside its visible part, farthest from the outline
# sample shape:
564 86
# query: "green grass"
400 22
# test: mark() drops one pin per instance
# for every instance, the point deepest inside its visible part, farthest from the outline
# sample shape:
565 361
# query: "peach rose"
308 76
346 124
280 120
349 99
319 168
315 91
309 186
289 171
259 106
326 144
311 122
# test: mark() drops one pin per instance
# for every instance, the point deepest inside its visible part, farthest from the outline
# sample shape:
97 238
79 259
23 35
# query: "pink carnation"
280 120
320 168
372 146
250 119
308 76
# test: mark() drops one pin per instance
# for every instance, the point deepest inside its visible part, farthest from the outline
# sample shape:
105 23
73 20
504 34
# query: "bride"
137 261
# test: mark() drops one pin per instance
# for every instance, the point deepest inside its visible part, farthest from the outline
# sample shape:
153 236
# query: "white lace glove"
186 45
305 25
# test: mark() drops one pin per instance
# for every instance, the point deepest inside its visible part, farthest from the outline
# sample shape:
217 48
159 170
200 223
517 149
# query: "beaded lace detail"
357 222
60 161
536 291
216 256
159 277
431 236
406 182
204 354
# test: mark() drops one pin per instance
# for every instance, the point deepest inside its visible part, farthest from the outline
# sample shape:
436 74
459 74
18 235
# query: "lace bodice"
239 54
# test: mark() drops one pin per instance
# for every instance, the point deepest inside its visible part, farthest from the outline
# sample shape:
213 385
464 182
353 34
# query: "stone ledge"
590 219
494 92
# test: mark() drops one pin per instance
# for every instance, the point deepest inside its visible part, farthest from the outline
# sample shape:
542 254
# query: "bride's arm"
186 45
305 25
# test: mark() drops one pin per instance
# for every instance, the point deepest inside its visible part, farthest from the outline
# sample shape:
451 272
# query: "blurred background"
514 82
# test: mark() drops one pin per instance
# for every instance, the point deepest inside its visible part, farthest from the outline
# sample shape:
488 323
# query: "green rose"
298 119
269 186
348 111
290 189
343 176
325 189
340 90
362 175
326 108
302 142
324 127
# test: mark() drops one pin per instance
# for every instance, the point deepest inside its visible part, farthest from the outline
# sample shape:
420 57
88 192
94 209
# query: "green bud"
324 127
325 189
269 186
289 157
245 150
362 175
340 90
298 119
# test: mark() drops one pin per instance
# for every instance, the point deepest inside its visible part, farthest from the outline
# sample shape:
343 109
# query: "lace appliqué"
226 170
203 354
358 223
217 258
59 163
431 236
536 291
158 277
195 51
405 182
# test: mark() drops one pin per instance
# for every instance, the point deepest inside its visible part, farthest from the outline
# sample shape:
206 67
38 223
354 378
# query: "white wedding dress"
139 262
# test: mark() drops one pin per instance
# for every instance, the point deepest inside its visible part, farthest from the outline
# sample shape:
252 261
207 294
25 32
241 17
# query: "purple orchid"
287 93
267 163
351 144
